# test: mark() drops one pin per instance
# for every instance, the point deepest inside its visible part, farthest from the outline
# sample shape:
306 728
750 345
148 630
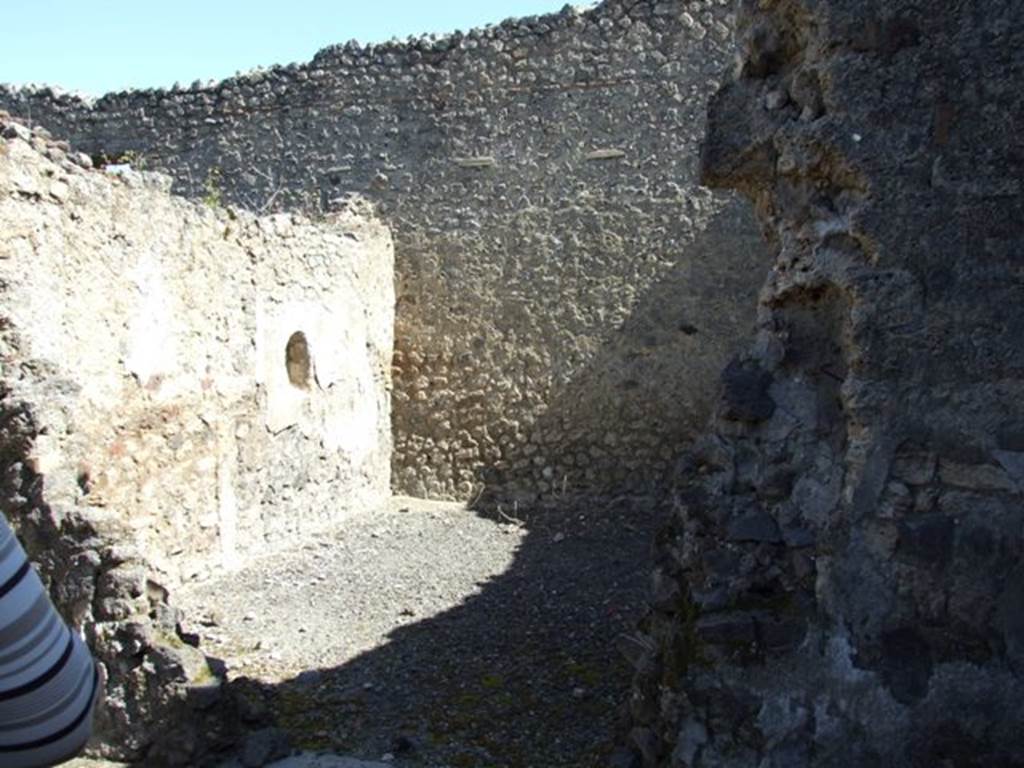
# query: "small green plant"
136 160
213 193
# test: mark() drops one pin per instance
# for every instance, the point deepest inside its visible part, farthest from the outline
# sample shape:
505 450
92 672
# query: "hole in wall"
297 360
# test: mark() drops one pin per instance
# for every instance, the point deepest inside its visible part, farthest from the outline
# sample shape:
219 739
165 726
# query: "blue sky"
102 45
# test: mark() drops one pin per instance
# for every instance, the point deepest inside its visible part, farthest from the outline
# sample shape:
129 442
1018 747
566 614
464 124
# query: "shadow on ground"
525 673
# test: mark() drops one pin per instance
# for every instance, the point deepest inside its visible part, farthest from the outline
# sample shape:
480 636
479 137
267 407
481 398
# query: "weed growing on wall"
213 192
136 160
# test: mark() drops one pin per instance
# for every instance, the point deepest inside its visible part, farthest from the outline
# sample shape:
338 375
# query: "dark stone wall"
841 582
566 291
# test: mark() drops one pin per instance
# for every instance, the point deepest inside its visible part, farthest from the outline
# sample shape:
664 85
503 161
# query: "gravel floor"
429 636
324 604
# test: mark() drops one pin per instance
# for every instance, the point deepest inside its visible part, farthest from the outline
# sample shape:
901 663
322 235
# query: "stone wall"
842 580
160 414
566 292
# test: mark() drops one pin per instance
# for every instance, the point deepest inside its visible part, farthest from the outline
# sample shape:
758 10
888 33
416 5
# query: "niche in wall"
297 360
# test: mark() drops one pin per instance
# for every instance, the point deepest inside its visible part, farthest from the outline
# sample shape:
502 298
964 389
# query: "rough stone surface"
567 294
264 746
841 582
149 431
162 339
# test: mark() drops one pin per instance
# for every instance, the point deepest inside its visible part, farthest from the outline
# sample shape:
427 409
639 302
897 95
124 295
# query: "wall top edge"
431 49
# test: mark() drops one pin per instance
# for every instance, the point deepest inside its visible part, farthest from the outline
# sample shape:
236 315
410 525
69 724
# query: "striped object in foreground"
48 681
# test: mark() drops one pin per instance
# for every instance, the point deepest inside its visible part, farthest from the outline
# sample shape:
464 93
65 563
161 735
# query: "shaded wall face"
163 328
841 581
565 291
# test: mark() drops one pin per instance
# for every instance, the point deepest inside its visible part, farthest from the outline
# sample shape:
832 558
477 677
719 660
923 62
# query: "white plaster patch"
227 501
275 326
340 407
151 343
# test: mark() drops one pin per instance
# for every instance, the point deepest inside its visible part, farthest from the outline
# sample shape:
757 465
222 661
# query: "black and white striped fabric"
48 681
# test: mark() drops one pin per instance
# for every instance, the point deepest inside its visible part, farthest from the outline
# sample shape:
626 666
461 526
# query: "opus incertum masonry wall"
566 294
181 390
842 579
